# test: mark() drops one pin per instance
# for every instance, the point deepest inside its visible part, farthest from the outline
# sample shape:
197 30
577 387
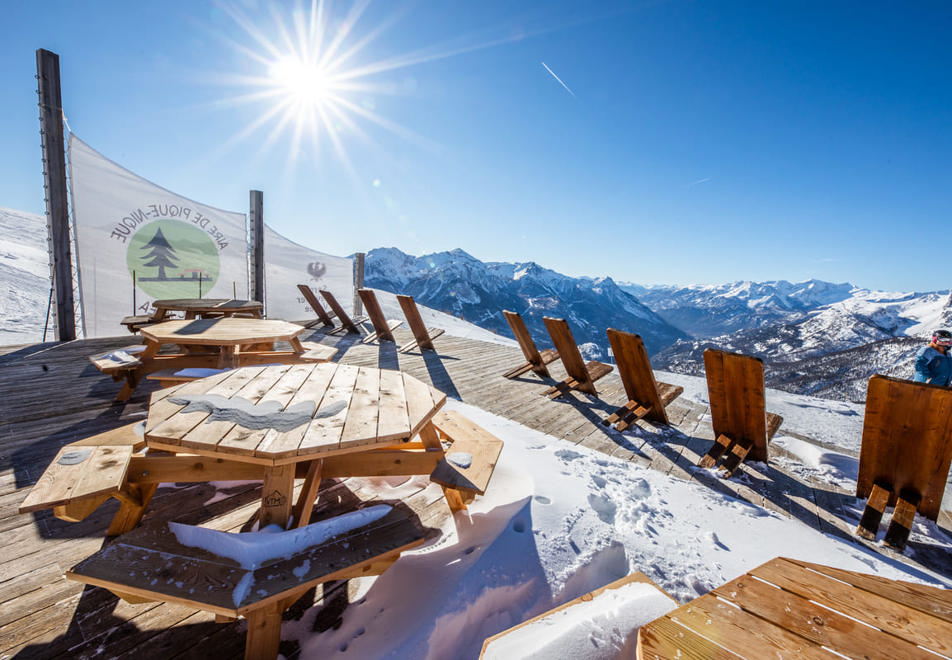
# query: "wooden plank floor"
50 395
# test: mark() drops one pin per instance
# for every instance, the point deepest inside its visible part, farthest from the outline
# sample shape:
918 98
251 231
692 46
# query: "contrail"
559 79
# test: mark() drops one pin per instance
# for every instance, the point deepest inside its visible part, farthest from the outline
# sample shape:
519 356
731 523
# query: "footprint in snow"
604 507
542 499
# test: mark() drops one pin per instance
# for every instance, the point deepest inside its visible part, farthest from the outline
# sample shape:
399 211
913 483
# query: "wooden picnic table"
200 307
791 608
328 420
213 343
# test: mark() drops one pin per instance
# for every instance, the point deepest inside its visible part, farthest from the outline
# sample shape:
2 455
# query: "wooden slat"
324 432
360 428
742 632
394 418
663 639
470 438
901 523
873 512
907 440
875 610
161 409
814 622
924 598
286 443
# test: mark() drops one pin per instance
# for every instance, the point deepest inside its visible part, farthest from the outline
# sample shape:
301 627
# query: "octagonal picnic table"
221 343
310 421
199 307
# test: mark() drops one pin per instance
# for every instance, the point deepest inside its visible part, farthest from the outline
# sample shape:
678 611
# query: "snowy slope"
24 277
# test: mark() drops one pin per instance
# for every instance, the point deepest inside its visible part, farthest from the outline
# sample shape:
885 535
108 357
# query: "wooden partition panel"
634 367
735 385
907 441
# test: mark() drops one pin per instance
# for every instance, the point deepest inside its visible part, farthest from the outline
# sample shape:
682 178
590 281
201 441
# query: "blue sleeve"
923 373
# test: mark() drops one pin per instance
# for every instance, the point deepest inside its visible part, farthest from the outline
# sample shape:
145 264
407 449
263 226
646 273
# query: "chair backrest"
522 335
417 327
735 386
342 316
634 367
907 440
372 305
568 351
315 304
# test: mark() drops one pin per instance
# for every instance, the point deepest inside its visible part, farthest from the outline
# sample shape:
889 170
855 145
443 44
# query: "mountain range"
815 337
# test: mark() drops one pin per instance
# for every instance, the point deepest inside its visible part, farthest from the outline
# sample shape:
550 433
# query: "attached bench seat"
115 363
471 458
170 377
134 323
624 605
159 563
86 473
315 352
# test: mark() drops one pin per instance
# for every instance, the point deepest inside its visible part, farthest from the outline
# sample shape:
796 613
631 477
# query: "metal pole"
256 219
358 282
54 180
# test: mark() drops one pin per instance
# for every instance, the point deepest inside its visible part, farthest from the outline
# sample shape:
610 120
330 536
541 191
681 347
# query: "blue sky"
688 142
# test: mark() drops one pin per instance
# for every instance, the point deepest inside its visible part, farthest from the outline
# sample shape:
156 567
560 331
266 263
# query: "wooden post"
54 180
358 283
256 219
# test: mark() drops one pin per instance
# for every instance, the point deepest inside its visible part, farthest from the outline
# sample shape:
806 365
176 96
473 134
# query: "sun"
306 83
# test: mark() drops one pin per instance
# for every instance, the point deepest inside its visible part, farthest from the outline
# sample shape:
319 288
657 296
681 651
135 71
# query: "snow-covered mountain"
460 284
24 277
710 311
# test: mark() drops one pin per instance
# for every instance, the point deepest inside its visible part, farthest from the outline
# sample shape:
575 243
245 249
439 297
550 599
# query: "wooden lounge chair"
647 398
905 456
523 638
322 316
742 427
535 359
581 375
347 324
422 337
150 564
383 327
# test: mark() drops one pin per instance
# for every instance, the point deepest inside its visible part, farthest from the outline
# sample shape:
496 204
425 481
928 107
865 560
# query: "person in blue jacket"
933 362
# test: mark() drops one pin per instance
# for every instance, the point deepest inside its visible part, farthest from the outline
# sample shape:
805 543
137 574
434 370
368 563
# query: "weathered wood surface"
422 336
634 369
43 615
802 610
535 360
907 441
581 375
469 438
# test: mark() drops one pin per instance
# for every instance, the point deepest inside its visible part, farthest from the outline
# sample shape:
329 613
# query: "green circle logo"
173 259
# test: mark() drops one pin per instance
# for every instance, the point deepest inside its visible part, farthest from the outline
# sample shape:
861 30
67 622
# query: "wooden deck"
50 395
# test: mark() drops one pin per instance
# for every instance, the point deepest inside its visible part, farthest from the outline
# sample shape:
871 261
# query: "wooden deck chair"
905 456
742 427
647 398
422 337
347 324
383 327
535 359
581 375
322 316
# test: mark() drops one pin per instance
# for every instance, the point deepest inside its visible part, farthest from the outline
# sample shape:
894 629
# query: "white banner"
288 264
129 227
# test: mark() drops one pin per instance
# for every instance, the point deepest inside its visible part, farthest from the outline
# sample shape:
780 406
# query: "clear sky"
656 142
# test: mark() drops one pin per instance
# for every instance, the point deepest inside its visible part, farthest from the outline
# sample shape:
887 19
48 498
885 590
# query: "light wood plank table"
326 420
214 343
789 608
201 307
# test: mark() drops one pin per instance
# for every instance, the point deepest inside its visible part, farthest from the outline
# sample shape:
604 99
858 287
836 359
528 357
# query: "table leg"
276 493
296 345
229 357
133 377
305 503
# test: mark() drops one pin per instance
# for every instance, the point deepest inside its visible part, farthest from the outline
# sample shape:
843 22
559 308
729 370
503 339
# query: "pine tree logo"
173 259
161 256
